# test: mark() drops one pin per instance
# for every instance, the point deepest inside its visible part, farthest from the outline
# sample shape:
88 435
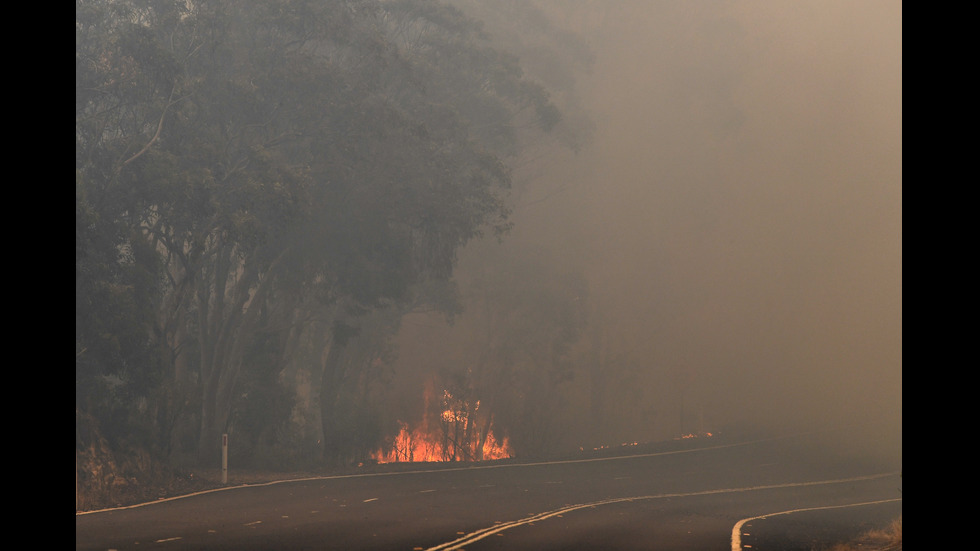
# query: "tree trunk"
484 432
228 322
330 381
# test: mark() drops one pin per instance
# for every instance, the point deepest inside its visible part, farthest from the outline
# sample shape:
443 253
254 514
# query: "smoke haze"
737 217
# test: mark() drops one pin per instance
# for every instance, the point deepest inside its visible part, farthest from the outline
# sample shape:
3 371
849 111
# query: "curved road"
772 494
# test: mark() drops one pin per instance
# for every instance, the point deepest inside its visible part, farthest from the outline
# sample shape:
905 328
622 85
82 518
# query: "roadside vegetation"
887 539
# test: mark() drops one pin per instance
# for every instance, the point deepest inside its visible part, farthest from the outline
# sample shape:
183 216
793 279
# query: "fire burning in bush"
462 433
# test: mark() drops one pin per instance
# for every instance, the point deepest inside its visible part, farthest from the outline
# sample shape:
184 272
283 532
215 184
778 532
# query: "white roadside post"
224 458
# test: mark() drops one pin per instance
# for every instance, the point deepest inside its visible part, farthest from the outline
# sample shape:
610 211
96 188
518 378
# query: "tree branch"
159 128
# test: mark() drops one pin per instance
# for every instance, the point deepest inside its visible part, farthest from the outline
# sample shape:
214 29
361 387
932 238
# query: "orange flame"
416 445
457 438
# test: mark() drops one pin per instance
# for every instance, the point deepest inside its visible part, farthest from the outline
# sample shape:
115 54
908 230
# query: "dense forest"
264 190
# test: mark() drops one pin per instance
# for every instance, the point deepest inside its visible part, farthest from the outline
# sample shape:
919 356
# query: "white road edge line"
426 471
423 471
737 529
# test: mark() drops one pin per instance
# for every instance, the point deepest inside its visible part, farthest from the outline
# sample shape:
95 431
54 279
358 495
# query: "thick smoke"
738 215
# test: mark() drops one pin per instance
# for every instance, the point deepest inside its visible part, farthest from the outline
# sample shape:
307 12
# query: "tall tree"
125 88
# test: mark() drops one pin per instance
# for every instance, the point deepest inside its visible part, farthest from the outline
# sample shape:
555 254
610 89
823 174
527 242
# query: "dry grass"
889 539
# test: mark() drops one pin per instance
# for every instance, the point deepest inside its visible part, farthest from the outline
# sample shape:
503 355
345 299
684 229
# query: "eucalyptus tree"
201 130
126 87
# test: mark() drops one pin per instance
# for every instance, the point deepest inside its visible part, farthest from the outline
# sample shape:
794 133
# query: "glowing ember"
692 435
605 447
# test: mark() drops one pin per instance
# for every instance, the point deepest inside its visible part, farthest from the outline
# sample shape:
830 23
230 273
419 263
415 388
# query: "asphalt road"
771 494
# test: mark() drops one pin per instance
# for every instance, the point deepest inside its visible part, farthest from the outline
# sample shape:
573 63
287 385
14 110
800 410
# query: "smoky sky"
739 213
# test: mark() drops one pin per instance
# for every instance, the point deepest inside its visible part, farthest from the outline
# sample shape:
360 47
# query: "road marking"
737 529
426 471
367 500
167 539
478 535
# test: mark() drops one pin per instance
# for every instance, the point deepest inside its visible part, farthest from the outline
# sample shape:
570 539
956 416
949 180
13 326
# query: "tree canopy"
254 176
